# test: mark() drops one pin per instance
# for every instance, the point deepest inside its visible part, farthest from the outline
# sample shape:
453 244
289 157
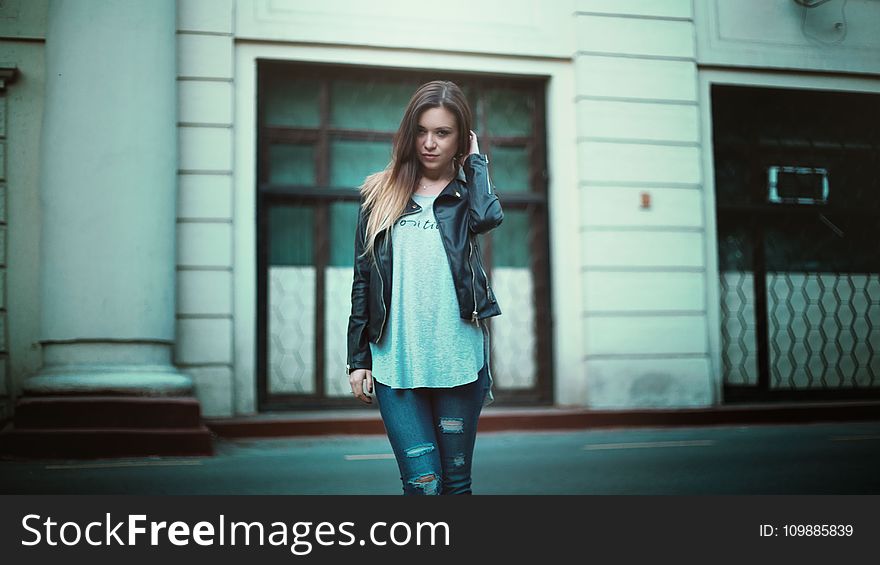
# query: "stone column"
108 198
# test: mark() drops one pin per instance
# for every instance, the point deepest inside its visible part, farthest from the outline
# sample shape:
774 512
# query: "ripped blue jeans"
432 432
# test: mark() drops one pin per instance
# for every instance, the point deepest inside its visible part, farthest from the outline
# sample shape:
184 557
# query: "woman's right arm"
485 212
359 356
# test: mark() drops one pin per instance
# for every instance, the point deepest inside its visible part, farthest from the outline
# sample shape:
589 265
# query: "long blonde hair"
386 193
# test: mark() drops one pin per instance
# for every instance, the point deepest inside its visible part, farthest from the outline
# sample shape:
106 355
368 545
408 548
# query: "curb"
368 422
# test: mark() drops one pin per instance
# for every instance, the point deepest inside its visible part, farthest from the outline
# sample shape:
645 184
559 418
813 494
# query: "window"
322 129
800 275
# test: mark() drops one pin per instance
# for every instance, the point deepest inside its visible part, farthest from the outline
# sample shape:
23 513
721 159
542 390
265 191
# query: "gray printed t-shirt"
426 343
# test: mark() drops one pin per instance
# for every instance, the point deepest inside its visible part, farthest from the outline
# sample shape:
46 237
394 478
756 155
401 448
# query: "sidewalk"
367 421
822 458
118 437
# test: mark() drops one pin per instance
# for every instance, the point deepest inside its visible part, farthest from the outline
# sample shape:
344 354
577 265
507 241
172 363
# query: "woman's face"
436 139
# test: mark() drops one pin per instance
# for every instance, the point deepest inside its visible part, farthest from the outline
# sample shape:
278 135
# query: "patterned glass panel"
291 235
509 169
514 332
739 351
823 329
337 301
291 330
291 101
292 164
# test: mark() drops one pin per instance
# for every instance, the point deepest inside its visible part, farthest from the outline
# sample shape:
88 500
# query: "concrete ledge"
92 380
368 421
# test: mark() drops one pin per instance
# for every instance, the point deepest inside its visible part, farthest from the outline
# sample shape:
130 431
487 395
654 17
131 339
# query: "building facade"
690 192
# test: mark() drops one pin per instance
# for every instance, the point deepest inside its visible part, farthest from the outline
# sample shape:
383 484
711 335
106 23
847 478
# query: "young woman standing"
420 294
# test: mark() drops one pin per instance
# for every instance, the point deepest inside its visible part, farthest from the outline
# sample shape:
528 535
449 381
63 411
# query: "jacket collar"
453 189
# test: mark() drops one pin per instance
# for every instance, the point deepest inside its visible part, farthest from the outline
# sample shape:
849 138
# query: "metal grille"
738 353
798 215
823 330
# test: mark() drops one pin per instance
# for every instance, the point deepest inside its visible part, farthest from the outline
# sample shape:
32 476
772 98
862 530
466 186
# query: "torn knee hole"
421 449
429 483
452 425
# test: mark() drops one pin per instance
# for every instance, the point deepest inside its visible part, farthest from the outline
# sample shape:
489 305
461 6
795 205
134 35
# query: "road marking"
690 443
854 438
369 456
120 464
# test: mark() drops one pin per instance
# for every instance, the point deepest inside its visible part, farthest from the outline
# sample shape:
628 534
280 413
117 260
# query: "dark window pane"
806 244
369 105
291 235
292 102
470 95
352 161
292 164
509 169
509 112
510 240
755 129
734 248
343 221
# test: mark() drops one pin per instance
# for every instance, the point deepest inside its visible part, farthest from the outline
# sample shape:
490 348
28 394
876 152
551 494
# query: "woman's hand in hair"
474 145
361 381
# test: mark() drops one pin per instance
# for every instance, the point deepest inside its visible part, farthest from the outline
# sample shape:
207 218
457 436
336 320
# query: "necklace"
442 181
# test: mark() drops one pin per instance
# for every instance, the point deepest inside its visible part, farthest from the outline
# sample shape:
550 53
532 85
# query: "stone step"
86 443
66 412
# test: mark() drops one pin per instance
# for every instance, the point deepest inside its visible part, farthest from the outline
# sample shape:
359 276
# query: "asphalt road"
827 458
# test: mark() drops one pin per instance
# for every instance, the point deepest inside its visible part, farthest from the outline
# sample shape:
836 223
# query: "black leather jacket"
466 207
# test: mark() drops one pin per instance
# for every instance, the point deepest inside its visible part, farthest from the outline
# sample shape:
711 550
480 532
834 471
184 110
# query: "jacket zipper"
485 276
488 185
382 298
474 318
474 314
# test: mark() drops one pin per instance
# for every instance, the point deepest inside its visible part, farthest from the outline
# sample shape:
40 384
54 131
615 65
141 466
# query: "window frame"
321 195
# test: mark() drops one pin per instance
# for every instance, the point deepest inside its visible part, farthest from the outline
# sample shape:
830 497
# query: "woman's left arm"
485 209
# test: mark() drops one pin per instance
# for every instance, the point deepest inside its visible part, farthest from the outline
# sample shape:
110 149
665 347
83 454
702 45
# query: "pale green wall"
22 28
624 82
23 19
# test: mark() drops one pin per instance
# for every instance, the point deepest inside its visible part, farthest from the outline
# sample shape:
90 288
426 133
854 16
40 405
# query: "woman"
416 333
